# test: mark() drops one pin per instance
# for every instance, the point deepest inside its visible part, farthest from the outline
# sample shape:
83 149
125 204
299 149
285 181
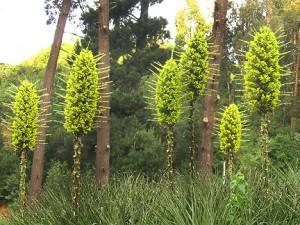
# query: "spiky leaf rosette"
194 62
25 119
230 130
82 94
167 94
262 72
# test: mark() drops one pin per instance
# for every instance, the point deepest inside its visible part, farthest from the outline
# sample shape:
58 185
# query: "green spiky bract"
24 126
262 72
194 62
262 84
195 75
82 96
230 134
168 106
167 95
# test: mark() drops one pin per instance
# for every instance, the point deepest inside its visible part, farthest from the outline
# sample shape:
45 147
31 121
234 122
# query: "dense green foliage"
25 120
262 72
137 144
168 94
82 94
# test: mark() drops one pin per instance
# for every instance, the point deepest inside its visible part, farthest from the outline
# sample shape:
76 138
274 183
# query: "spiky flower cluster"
82 94
168 94
262 72
230 130
194 62
25 120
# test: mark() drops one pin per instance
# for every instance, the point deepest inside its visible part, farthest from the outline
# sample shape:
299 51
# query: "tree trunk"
205 156
269 12
141 39
103 130
192 146
39 153
296 70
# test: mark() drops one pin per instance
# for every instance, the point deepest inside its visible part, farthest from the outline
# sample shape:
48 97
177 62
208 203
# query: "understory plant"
81 100
262 85
230 134
195 74
24 129
137 200
168 106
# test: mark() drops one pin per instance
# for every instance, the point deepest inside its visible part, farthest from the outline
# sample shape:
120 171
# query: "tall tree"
205 155
103 131
291 19
129 118
141 39
296 73
188 20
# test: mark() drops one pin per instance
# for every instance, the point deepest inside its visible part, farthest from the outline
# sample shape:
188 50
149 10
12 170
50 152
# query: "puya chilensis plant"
166 104
195 75
230 134
81 101
262 85
24 128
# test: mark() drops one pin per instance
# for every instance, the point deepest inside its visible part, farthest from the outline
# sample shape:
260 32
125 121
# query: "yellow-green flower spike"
25 120
262 72
82 94
230 133
168 94
194 62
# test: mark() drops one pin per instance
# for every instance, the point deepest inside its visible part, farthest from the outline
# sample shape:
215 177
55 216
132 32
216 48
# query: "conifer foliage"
81 100
24 126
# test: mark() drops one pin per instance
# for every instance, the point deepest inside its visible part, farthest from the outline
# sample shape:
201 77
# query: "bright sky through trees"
24 31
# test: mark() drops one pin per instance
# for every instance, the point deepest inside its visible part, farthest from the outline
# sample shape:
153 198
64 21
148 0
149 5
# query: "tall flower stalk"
24 127
230 134
262 85
168 107
81 100
195 75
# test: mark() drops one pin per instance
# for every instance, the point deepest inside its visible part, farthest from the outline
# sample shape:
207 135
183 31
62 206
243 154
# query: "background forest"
138 161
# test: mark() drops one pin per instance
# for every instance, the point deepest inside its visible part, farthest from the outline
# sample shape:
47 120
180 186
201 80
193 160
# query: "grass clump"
136 200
